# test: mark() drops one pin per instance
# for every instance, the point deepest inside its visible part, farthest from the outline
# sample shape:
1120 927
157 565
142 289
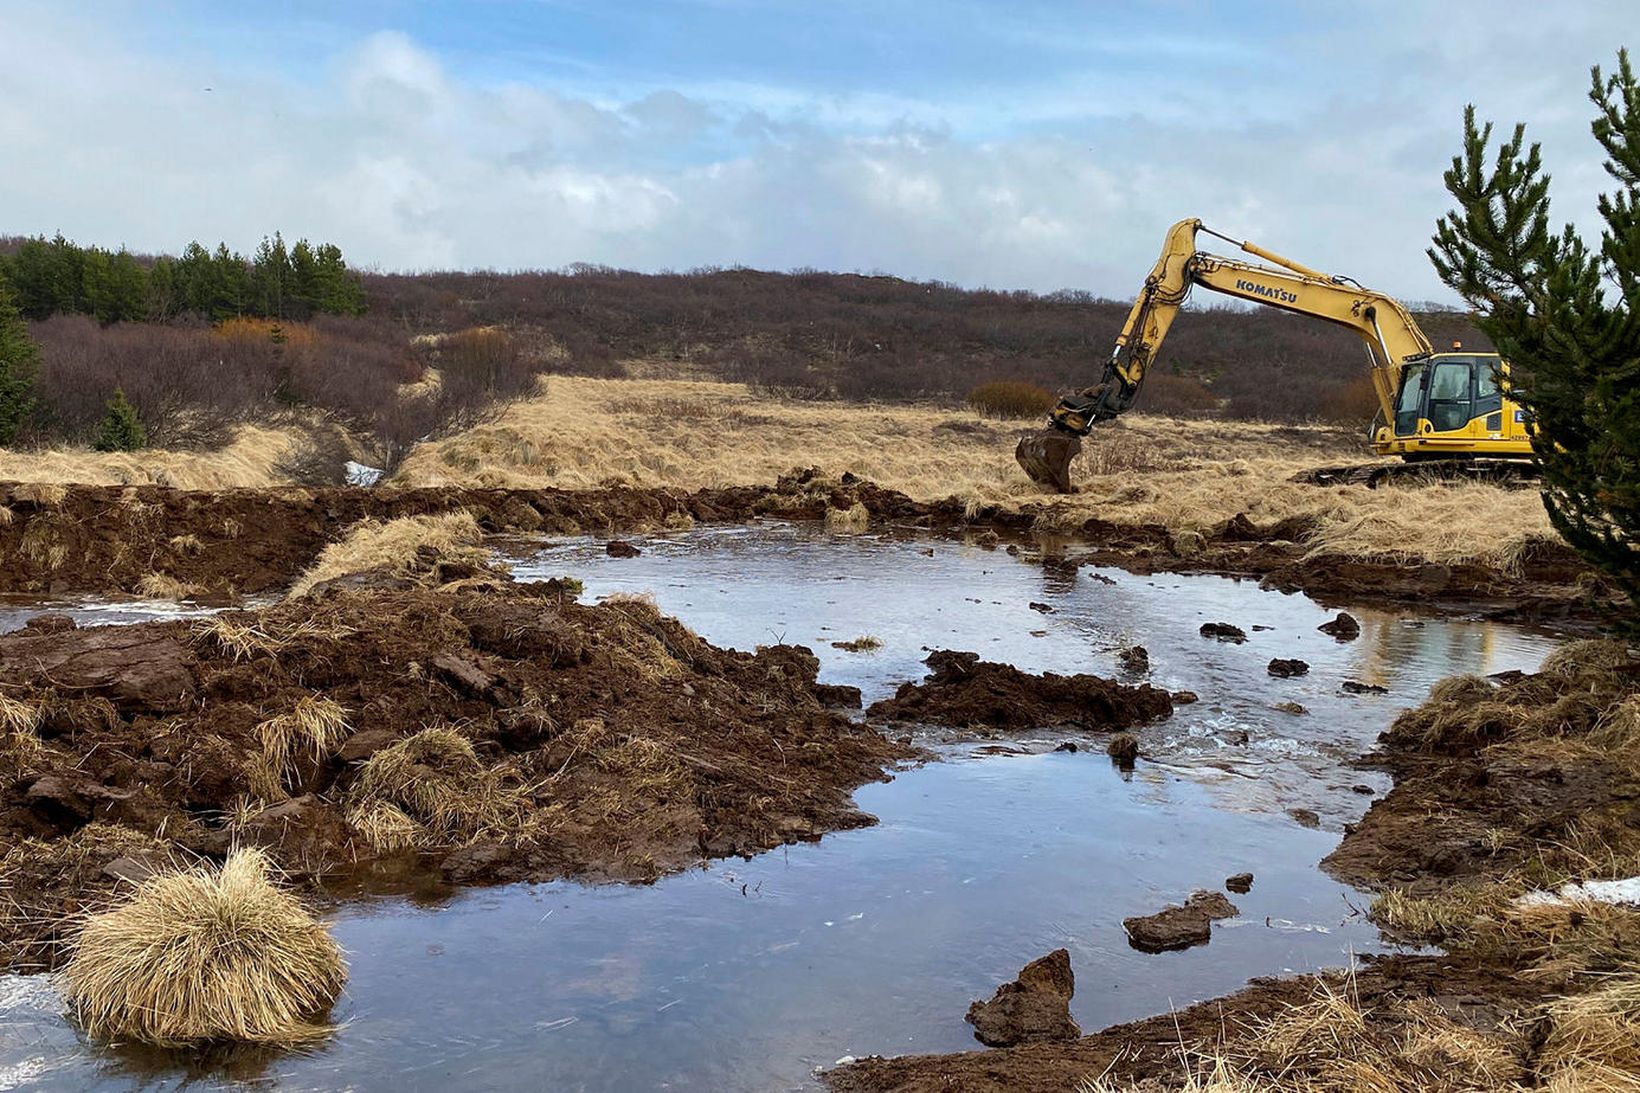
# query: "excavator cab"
1450 397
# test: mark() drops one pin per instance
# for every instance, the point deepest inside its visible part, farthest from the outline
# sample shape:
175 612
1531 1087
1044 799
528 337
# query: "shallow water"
748 974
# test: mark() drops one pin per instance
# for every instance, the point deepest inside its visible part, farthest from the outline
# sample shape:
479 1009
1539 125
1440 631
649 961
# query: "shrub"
121 429
1011 399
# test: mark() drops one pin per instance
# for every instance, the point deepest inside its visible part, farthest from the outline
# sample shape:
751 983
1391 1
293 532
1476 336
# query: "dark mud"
86 539
488 734
966 692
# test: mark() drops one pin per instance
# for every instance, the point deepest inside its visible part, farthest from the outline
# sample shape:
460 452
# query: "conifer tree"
18 359
121 430
1562 311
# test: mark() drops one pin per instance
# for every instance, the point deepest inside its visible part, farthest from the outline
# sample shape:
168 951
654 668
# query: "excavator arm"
1391 336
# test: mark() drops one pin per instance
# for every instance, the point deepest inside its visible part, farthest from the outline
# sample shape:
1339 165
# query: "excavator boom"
1392 339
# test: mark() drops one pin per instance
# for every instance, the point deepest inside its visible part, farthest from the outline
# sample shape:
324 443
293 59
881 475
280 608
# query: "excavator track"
1507 472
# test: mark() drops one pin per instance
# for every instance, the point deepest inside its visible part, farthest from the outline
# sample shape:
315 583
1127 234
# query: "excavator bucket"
1046 457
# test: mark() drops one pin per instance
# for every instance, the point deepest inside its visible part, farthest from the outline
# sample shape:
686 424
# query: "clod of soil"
620 548
1355 687
1224 631
1124 748
1291 707
1034 1007
492 734
1304 817
965 691
1185 698
1239 883
1043 608
1344 627
1285 668
1179 927
1135 659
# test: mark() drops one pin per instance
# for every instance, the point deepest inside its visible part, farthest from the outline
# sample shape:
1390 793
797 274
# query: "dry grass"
436 781
406 548
1331 1043
585 433
854 518
1594 1037
201 955
314 729
163 586
264 636
252 458
865 643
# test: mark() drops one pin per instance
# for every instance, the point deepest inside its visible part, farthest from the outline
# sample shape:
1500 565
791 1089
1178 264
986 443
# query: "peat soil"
60 540
480 733
1495 784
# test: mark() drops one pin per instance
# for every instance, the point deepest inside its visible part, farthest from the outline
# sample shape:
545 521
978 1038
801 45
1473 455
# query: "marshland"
468 621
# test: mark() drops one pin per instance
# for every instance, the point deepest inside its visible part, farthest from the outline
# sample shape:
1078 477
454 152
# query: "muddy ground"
1502 786
964 691
104 539
482 732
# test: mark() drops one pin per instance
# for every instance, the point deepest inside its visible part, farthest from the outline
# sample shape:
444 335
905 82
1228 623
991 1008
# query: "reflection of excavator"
1445 407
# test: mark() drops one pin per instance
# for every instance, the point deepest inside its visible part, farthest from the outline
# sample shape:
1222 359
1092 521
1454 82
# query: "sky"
1011 144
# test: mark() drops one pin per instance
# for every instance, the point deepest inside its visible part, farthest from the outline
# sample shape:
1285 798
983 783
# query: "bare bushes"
190 383
200 955
1011 399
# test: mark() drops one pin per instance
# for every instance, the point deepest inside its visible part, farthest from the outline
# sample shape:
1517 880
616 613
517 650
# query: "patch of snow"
360 475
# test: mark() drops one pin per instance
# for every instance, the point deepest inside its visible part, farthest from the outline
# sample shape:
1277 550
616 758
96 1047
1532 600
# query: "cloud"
1325 141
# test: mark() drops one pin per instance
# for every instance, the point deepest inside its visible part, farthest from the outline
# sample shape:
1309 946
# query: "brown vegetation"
205 954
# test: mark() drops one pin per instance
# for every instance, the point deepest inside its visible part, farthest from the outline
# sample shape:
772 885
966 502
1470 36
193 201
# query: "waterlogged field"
748 974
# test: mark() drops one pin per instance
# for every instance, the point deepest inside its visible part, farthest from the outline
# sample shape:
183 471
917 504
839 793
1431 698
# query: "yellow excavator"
1445 413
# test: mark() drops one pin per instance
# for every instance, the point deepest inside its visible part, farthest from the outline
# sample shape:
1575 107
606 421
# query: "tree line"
58 277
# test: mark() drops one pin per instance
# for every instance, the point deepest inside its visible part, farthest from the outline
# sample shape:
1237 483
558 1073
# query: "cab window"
1450 401
1411 400
1488 399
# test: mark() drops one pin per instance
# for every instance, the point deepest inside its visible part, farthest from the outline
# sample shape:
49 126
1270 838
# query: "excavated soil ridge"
966 692
66 540
480 733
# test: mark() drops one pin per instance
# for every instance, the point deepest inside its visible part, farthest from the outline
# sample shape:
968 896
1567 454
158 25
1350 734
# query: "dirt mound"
226 542
1179 926
486 735
964 691
1036 1006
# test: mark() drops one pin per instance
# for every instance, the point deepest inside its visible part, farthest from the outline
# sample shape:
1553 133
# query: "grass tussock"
163 586
248 640
313 730
1584 697
436 781
202 955
854 518
865 643
409 548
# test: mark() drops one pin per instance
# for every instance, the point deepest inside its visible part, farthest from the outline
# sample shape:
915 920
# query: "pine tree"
121 429
1563 313
18 358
